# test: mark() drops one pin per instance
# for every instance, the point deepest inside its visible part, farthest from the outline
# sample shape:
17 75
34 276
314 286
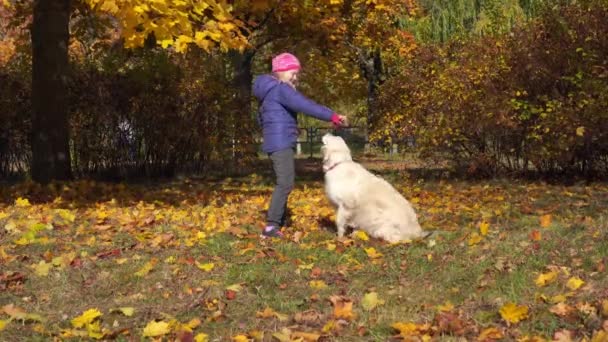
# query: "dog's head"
334 151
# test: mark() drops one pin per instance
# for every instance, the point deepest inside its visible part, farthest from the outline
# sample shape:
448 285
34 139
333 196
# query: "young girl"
279 104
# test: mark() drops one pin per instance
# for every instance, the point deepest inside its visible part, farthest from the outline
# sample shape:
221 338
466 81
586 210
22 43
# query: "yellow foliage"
513 313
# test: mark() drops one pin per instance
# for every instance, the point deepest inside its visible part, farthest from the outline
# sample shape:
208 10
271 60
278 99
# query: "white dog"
363 200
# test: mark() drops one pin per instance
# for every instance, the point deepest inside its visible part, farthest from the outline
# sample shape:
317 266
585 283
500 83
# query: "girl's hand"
343 120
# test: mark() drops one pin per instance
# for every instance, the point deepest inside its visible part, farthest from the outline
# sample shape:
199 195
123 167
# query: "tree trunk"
50 128
245 120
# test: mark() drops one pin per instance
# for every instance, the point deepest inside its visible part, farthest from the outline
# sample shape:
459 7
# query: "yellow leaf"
42 268
308 337
361 235
546 278
372 253
513 313
155 329
87 317
269 313
575 283
483 228
474 239
235 287
22 202
558 299
490 334
447 307
2 324
201 337
545 221
605 307
146 268
127 311
370 301
317 284
331 246
192 324
580 131
66 215
240 338
409 329
205 267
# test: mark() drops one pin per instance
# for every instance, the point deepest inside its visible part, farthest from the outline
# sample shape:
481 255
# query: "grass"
111 241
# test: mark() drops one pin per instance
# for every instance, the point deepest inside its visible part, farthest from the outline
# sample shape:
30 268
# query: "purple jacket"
279 105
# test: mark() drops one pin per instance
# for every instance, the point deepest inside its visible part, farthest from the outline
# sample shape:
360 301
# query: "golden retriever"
365 201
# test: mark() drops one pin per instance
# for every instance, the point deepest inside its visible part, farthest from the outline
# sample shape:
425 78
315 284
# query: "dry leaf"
155 329
546 278
561 309
269 313
545 221
490 334
343 307
87 317
370 301
513 313
205 267
317 284
575 283
483 228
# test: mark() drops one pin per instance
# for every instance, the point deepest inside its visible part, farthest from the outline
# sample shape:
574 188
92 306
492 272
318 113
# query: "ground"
514 260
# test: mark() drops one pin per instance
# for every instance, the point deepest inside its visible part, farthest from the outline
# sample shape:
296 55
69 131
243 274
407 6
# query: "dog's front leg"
341 221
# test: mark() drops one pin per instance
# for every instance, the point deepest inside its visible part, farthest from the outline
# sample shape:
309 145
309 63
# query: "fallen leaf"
483 228
563 336
2 324
447 307
361 235
535 235
14 311
269 313
605 308
490 334
370 301
240 338
545 220
574 283
308 337
409 329
513 313
561 309
205 267
87 317
474 239
372 253
42 268
155 329
148 266
127 311
317 284
546 278
580 131
308 317
229 294
235 287
343 307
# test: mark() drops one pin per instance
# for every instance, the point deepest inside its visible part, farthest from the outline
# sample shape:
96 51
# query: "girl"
279 104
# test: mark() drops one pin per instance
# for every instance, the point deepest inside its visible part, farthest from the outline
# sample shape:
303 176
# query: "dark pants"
284 169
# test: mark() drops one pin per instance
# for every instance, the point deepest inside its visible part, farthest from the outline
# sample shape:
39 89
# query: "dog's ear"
326 138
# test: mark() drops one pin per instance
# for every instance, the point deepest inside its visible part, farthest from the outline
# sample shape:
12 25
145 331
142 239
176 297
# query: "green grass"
412 279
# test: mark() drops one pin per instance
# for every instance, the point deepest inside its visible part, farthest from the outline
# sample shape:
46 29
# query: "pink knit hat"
284 62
